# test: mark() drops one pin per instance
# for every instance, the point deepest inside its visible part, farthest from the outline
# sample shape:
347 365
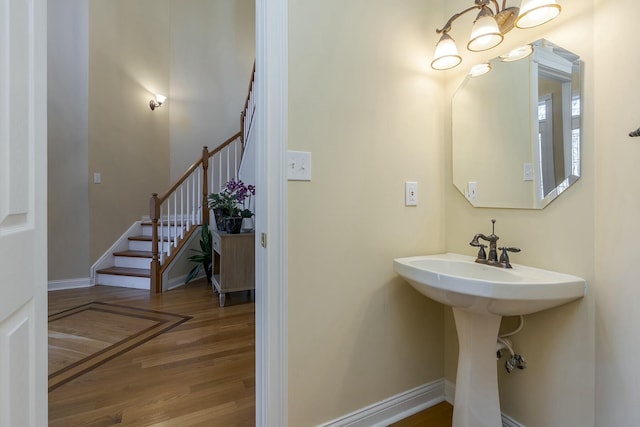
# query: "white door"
23 213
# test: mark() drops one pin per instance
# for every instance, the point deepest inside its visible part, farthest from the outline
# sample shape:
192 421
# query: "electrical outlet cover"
410 193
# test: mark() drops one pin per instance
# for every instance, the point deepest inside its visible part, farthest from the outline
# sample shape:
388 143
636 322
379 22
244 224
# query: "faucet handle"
509 249
504 256
482 255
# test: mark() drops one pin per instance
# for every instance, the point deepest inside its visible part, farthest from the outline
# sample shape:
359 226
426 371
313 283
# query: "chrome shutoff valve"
515 361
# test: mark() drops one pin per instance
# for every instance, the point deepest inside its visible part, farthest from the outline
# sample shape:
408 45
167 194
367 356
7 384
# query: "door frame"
271 209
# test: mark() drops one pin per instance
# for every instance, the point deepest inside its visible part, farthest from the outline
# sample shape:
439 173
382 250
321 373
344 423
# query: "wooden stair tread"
146 238
178 223
135 254
141 238
126 271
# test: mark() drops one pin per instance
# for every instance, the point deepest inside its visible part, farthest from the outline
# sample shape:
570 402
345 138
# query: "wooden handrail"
224 144
195 166
243 113
253 76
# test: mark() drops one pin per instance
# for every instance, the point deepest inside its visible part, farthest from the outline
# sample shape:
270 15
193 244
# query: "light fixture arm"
447 26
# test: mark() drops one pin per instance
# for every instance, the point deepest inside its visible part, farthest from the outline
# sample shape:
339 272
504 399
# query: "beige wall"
212 55
362 100
128 143
68 201
558 387
617 232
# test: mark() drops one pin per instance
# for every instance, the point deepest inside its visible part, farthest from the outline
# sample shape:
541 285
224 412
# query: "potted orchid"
232 205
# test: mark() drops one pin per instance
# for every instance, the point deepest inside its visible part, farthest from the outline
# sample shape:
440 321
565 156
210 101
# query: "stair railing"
246 116
177 213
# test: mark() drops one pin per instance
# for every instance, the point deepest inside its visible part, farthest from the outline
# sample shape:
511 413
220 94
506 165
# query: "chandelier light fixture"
490 26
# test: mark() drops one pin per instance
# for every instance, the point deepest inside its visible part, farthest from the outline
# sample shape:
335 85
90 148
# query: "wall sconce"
157 101
490 26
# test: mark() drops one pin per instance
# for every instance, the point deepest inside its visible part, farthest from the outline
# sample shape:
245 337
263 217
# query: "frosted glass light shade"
517 53
480 69
446 55
537 12
160 98
485 34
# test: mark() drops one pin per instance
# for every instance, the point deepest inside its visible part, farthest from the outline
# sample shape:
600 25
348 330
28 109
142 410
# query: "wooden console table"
233 263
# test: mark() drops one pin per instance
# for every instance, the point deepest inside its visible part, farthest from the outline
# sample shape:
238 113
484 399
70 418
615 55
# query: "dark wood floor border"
78 368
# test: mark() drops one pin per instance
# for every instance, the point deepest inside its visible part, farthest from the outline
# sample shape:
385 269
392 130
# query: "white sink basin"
480 295
458 281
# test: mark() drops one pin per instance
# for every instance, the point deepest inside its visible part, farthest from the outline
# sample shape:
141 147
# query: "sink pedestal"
476 401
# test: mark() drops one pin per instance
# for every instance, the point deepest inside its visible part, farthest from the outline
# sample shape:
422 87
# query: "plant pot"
233 225
247 225
218 214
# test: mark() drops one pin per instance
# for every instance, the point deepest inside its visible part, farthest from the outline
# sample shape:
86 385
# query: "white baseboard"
176 282
394 408
58 285
450 392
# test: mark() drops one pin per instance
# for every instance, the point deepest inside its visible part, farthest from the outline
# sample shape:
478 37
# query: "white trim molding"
58 285
395 408
271 133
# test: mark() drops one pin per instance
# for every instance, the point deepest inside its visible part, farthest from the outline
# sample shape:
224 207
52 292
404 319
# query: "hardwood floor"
174 359
198 372
440 415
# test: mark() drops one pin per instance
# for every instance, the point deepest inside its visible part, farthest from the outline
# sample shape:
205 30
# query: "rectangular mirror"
516 129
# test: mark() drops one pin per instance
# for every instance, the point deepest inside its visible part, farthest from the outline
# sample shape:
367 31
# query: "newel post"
205 184
154 213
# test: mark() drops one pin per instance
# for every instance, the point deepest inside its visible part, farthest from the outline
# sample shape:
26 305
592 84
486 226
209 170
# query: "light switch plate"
472 191
298 165
97 178
528 172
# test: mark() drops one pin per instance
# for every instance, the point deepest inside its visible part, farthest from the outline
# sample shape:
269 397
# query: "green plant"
203 256
224 201
231 200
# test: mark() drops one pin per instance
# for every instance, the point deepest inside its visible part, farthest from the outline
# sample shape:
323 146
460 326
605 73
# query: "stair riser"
124 281
147 230
141 245
132 262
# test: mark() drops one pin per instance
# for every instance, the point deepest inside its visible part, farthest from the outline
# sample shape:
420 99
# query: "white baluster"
182 211
175 218
161 235
168 227
199 213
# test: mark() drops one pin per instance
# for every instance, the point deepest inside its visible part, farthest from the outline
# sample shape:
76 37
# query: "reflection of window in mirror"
575 135
545 144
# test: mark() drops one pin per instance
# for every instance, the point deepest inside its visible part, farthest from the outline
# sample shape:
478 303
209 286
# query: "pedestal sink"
480 295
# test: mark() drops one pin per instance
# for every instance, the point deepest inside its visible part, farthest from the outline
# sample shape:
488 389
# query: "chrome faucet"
492 258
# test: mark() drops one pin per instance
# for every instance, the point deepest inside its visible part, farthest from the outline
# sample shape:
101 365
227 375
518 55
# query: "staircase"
132 265
142 255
